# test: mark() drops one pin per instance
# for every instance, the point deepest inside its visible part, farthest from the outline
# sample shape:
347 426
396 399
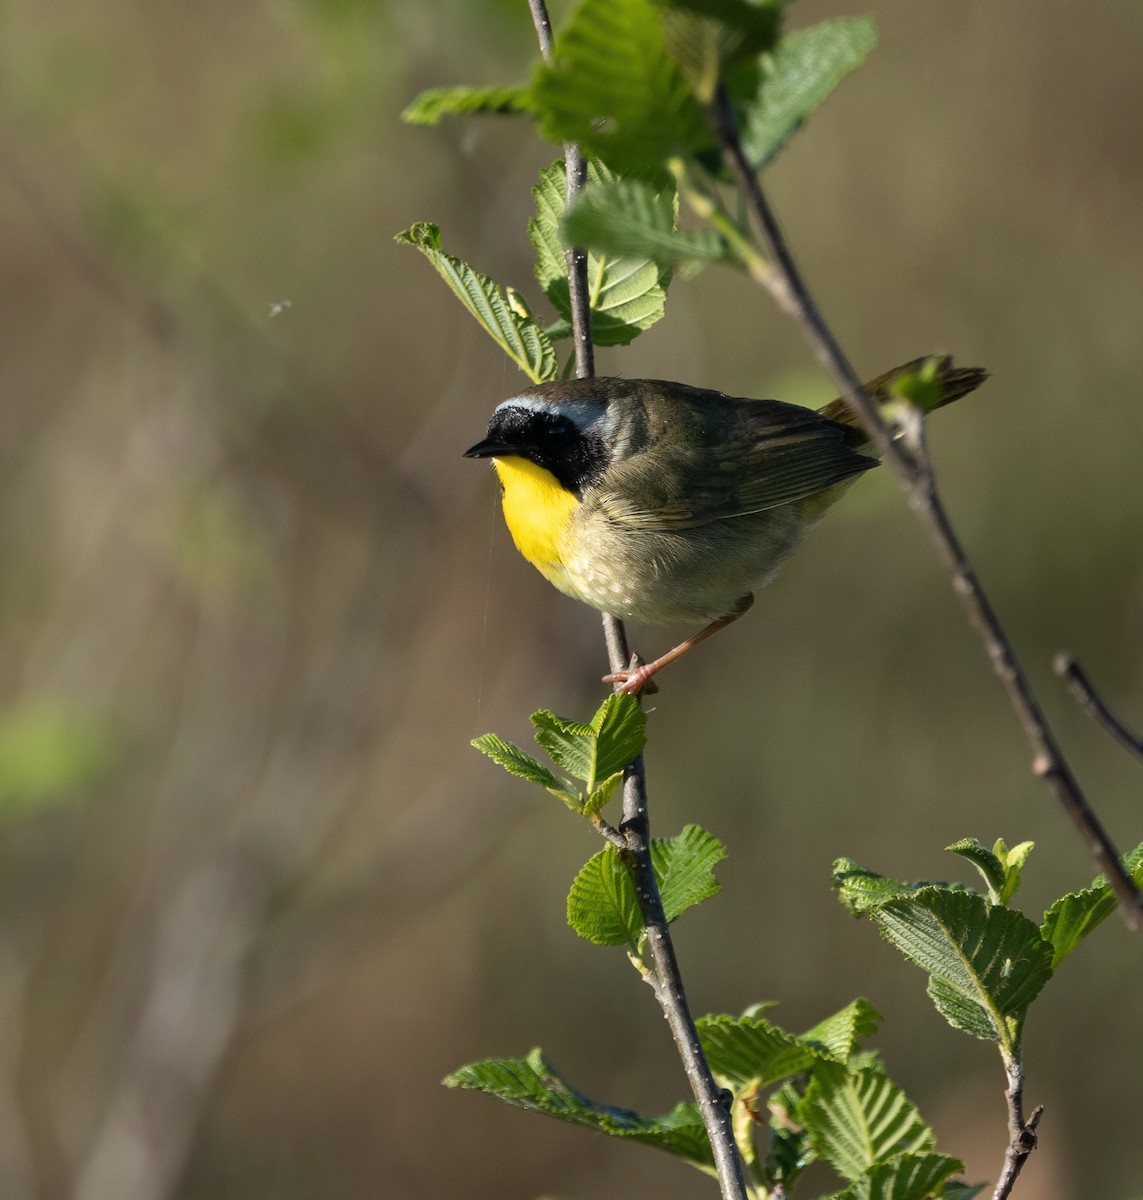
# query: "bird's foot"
635 680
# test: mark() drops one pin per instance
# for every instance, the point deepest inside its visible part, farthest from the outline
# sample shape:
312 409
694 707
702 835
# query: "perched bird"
663 503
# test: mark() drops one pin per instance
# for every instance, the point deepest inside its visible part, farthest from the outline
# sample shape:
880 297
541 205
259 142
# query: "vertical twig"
1021 1133
634 830
1080 687
789 289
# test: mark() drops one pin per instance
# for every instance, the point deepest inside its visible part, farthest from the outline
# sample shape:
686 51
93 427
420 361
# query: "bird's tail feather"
954 383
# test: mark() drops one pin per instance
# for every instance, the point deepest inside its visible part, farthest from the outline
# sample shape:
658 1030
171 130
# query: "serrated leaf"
626 294
534 1083
862 890
550 196
963 1013
904 1177
599 797
706 36
1074 916
985 861
806 66
987 962
613 89
839 1034
515 333
744 1051
856 1120
595 752
620 726
516 762
684 867
629 217
602 906
571 744
434 104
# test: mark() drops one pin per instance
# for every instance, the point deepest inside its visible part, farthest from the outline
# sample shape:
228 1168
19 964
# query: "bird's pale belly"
688 576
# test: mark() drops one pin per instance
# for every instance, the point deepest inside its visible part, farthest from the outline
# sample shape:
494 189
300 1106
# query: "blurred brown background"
258 894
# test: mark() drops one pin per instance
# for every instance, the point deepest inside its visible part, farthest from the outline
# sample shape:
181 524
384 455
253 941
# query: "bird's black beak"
490 448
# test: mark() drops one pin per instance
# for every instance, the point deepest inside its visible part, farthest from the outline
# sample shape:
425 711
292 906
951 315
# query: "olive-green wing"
751 456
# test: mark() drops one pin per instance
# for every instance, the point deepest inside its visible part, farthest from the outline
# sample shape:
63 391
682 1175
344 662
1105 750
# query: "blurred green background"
258 894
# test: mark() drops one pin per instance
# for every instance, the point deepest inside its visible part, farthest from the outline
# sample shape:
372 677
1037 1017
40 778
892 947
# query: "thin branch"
1081 688
789 289
634 831
576 169
1021 1133
667 982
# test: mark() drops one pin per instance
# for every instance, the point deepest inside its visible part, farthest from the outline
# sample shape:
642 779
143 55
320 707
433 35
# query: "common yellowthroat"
663 503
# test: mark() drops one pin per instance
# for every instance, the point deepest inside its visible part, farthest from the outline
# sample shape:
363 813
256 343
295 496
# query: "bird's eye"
559 429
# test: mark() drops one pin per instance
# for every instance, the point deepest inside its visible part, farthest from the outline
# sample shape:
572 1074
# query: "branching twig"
1080 687
634 831
1021 1133
789 289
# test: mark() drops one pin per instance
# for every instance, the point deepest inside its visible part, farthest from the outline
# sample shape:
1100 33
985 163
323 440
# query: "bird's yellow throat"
537 507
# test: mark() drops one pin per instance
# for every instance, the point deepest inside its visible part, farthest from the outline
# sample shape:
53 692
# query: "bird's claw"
635 680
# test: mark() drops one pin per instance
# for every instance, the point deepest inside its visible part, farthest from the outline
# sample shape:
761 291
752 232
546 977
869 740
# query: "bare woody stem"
1081 688
634 840
789 289
1021 1133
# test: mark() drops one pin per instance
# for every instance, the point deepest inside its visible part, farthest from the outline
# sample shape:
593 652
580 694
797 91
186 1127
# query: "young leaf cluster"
795 1099
637 84
594 755
986 960
603 906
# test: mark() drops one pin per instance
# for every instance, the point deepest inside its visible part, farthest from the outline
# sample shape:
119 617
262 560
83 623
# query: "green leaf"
571 744
987 963
856 1120
861 890
513 331
594 753
807 65
50 753
957 1189
630 217
838 1035
599 797
516 762
745 1051
434 104
620 727
905 1177
550 196
1075 915
602 906
534 1083
684 867
985 861
627 294
706 36
1013 861
614 90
